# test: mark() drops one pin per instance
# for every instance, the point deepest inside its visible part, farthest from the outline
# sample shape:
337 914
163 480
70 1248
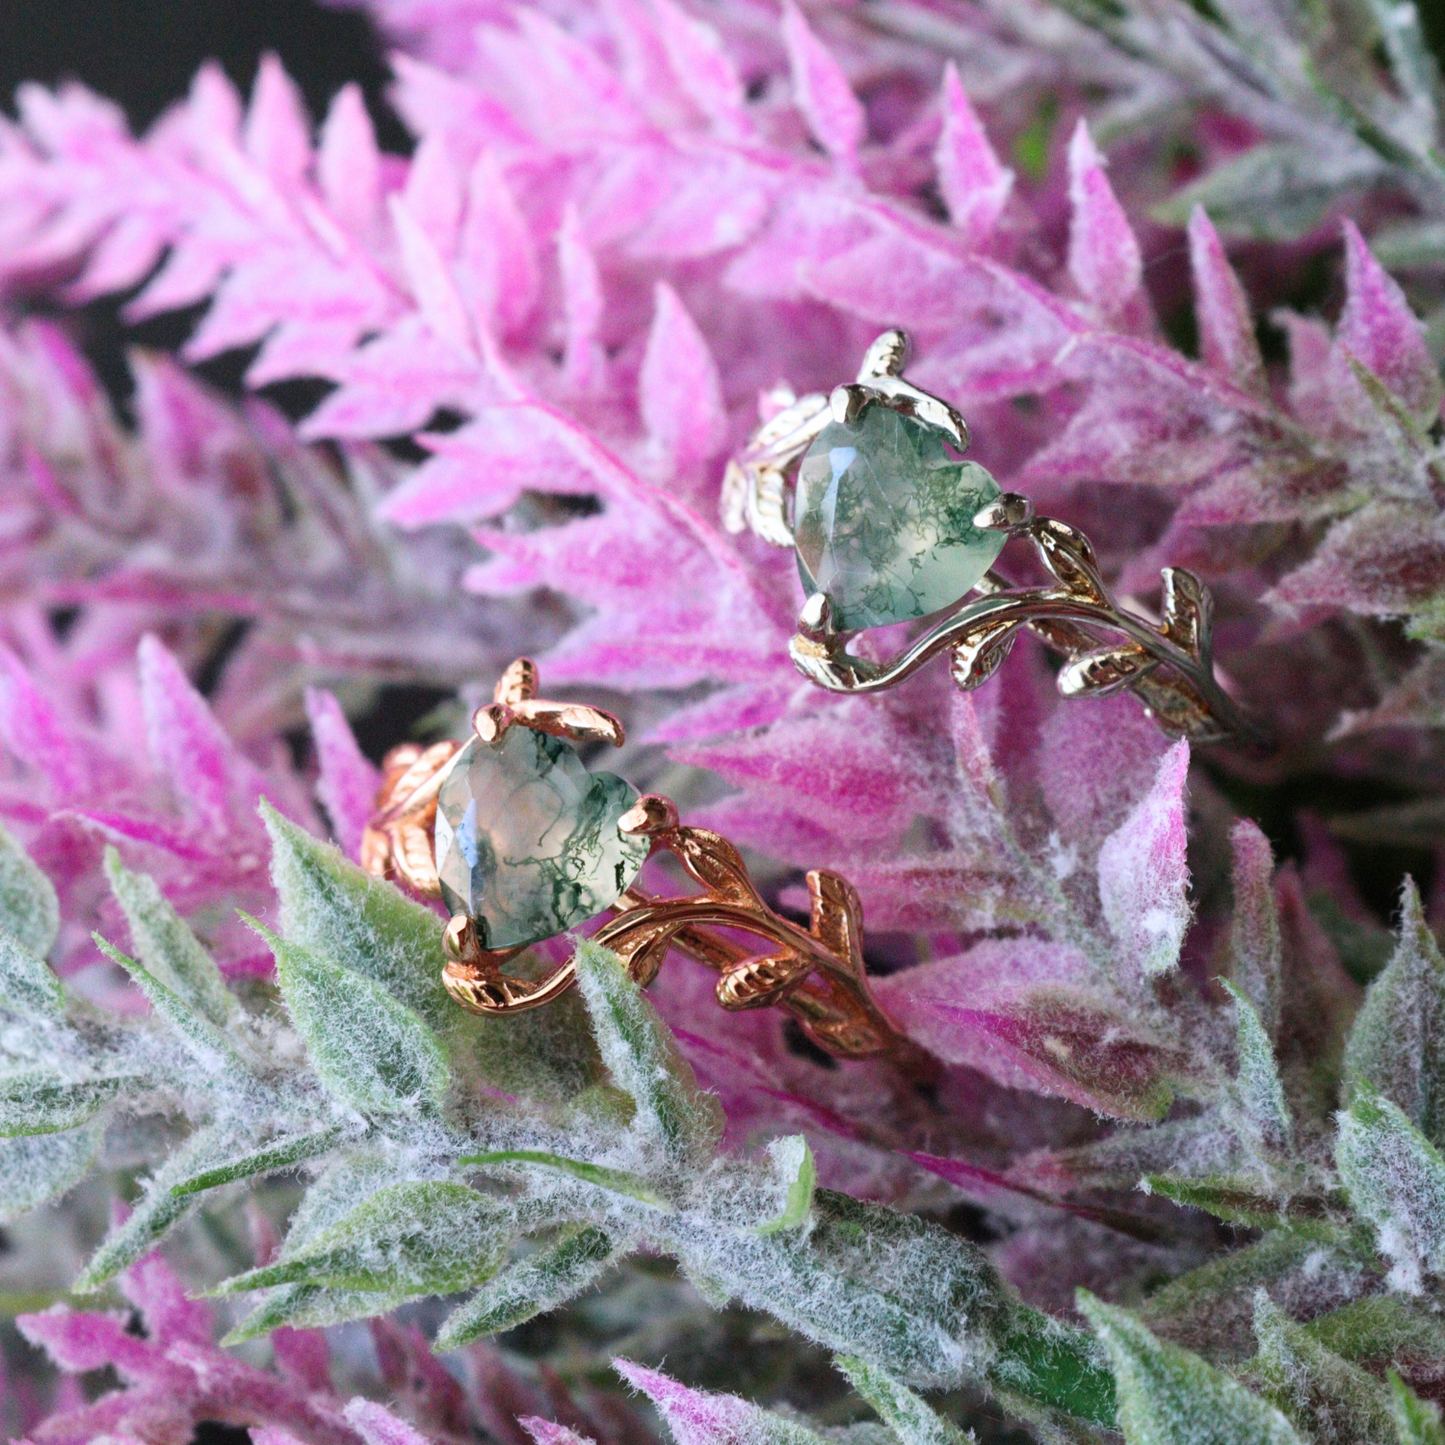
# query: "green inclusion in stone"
884 520
526 838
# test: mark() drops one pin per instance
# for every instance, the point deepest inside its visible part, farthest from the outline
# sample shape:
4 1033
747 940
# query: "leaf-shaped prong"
649 816
931 410
887 356
1110 669
518 683
574 721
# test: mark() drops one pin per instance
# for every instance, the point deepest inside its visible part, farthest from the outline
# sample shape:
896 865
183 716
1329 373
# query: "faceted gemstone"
884 520
527 840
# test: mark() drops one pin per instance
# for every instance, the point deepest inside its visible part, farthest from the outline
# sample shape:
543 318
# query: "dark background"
143 53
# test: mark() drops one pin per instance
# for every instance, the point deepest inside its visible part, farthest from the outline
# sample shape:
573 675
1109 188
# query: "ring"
523 843
889 527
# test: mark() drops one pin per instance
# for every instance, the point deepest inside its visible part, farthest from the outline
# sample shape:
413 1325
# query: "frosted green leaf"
794 1161
1259 1095
42 1167
908 1415
166 946
281 1154
368 1049
619 1181
891 1288
417 1238
310 1307
29 909
1042 1361
1396 1182
1169 1396
548 1277
1397 1044
1239 1199
1273 192
644 1061
1413 65
200 1038
348 1181
156 1212
1417 1421
344 916
1325 1397
27 984
33 1101
1380 1327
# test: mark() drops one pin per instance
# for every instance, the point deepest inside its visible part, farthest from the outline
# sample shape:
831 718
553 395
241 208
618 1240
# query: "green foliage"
1417 1422
1324 1396
1168 1396
619 1181
907 1415
368 1048
28 906
1395 1178
794 1161
643 1059
167 948
1258 1092
550 1275
1397 1045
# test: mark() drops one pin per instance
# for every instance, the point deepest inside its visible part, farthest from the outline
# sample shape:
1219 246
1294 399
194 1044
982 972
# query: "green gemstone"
526 838
884 520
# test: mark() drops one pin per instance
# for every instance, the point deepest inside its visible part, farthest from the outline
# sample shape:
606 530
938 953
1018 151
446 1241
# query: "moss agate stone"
526 838
883 519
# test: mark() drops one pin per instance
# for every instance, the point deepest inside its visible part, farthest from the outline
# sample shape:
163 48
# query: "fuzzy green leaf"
156 1212
1238 1199
312 1307
1397 1044
345 917
417 1239
1042 1361
1417 1421
908 1415
1395 1178
33 1101
166 946
369 1050
644 1061
1258 1093
1273 192
200 1038
41 1167
27 984
29 909
1325 1397
891 1288
1169 1396
1380 1327
546 1278
619 1181
282 1154
794 1161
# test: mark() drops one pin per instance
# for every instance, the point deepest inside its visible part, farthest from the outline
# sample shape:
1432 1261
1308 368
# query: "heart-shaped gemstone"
884 520
526 838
